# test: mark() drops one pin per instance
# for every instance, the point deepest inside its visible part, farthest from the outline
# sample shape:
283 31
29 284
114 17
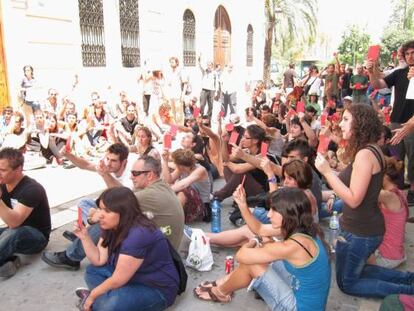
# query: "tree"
391 40
354 46
294 24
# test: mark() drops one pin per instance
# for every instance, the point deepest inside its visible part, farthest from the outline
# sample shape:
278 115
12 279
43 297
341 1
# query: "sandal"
207 284
211 295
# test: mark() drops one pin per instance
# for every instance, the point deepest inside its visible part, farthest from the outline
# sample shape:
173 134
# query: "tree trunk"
268 50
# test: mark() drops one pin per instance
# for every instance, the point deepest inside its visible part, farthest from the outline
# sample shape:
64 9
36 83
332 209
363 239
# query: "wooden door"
222 37
4 91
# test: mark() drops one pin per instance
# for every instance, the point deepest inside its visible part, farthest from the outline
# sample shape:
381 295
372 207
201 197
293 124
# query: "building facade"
107 43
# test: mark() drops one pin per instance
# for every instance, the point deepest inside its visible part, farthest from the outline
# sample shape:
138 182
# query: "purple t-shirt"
157 270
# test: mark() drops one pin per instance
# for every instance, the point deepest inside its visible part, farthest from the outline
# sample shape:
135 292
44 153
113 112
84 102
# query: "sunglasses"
138 173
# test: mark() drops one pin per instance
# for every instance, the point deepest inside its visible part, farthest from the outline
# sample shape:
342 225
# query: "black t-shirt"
403 109
129 126
31 194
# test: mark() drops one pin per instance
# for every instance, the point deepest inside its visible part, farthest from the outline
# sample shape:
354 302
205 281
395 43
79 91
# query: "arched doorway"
222 37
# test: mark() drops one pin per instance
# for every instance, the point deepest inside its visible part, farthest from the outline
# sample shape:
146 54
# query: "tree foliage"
391 40
354 46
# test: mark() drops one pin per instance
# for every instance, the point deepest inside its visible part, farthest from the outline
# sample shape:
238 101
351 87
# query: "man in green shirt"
359 85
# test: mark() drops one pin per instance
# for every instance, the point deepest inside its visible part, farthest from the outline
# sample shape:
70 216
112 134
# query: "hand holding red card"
373 52
263 149
233 138
323 144
300 107
291 113
167 141
173 130
196 112
229 127
80 219
358 86
68 147
221 114
323 119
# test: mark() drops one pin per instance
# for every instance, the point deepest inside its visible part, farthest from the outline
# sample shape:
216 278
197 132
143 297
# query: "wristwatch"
272 180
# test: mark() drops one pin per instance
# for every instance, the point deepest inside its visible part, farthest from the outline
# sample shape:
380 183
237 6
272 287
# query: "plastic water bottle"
215 216
333 230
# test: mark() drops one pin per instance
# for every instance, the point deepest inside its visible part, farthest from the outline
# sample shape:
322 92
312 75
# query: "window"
189 54
92 32
249 46
129 21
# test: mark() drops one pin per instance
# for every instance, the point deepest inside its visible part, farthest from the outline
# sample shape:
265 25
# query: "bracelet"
258 243
272 180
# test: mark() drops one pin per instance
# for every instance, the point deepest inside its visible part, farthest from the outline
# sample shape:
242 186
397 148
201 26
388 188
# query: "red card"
394 55
373 52
229 127
196 112
243 180
221 114
173 130
69 144
233 138
291 113
387 118
381 101
80 220
263 149
167 141
374 93
300 107
331 103
358 86
323 119
323 144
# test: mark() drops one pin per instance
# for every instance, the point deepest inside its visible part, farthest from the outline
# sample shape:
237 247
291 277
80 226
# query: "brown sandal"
207 284
211 295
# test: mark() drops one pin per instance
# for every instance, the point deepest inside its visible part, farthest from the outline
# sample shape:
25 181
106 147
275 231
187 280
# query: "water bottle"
215 216
333 230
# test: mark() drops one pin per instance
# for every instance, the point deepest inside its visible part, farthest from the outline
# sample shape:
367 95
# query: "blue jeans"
337 206
131 296
355 277
23 240
260 213
274 286
75 250
85 205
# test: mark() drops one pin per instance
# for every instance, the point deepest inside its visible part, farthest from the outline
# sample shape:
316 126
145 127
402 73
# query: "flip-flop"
211 296
207 284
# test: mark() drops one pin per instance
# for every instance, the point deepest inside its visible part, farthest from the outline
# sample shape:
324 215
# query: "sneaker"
188 231
10 267
60 260
410 197
69 235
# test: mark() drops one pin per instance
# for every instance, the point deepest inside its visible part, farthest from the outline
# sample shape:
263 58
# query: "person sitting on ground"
191 183
270 266
297 174
24 207
5 119
17 136
143 144
131 266
394 207
124 128
157 200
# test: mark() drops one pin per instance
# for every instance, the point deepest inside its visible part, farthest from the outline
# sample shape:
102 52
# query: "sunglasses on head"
138 173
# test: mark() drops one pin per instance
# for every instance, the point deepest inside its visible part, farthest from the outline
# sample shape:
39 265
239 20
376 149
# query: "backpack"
178 263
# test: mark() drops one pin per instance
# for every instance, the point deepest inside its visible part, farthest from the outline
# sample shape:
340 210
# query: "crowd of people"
330 141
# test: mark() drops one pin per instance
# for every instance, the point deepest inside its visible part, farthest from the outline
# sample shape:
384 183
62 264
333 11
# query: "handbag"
178 263
307 87
199 252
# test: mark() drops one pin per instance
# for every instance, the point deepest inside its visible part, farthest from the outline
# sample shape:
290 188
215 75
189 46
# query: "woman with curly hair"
289 274
362 223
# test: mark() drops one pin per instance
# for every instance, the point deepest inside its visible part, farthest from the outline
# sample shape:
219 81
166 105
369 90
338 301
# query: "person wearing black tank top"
362 224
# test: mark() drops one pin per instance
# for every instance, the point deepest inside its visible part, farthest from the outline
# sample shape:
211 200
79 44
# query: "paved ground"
37 286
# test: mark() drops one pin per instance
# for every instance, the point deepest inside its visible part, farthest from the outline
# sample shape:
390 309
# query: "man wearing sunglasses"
156 199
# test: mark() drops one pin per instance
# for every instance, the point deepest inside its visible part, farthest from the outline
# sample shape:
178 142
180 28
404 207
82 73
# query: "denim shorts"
260 214
274 286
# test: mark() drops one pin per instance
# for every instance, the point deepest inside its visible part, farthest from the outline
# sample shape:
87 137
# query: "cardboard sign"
229 127
233 138
373 52
300 107
196 112
263 149
323 119
167 141
68 146
323 144
173 130
80 220
243 180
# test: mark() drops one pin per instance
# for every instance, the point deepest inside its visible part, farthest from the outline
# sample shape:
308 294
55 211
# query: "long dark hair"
295 208
122 200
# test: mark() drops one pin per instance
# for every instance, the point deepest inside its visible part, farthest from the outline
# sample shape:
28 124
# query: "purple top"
157 270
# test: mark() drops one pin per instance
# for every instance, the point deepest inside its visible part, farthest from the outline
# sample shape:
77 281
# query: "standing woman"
130 267
362 223
28 86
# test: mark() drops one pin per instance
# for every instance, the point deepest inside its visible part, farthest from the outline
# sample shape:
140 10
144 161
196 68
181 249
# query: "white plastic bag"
199 253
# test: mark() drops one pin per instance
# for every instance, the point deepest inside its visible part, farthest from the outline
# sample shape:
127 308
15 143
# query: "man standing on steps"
156 199
24 208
